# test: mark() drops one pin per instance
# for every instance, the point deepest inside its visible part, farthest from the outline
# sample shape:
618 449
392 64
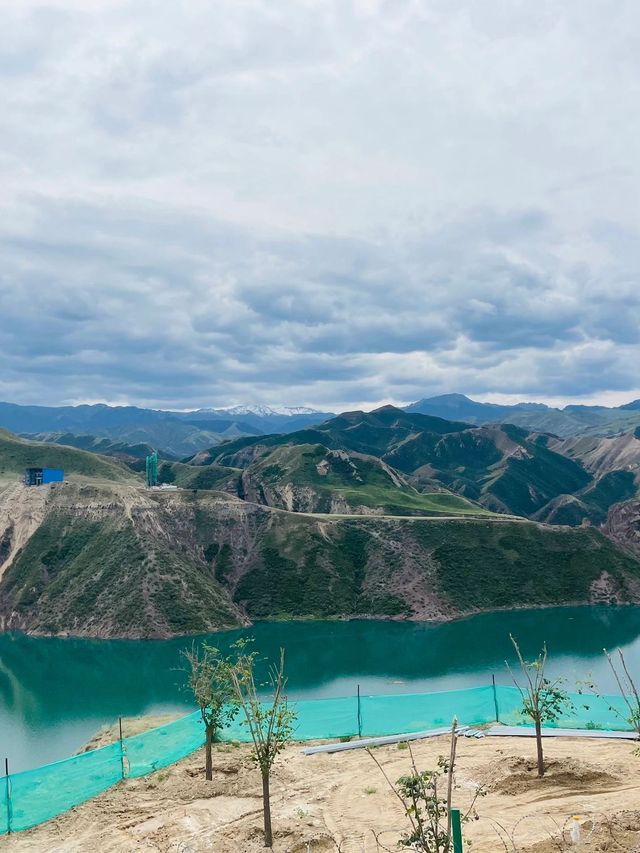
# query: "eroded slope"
116 560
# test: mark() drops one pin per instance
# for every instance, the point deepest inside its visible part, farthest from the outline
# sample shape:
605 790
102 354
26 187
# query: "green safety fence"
158 747
413 712
34 796
584 711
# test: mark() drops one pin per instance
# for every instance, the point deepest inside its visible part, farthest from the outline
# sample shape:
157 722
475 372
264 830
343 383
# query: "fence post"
359 715
121 747
495 698
456 831
8 795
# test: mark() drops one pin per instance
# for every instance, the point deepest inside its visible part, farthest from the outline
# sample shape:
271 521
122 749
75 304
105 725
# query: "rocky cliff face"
601 455
623 525
21 513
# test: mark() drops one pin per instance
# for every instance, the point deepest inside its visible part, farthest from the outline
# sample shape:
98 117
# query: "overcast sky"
319 203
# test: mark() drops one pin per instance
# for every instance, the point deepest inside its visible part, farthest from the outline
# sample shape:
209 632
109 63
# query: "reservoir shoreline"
56 692
365 617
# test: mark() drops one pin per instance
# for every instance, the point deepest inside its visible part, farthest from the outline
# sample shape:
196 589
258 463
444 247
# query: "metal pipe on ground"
378 741
527 731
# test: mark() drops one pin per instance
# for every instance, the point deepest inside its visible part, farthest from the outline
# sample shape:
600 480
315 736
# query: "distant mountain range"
380 460
265 411
181 434
536 417
176 434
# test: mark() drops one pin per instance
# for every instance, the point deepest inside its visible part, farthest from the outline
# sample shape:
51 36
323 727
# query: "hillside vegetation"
17 454
116 560
458 467
311 478
105 560
183 476
501 468
288 527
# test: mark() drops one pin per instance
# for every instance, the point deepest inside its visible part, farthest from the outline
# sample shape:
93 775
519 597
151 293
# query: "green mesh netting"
34 796
608 713
315 719
156 748
38 795
386 715
4 803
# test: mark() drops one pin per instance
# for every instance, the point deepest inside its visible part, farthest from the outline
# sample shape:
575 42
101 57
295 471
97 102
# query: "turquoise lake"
55 693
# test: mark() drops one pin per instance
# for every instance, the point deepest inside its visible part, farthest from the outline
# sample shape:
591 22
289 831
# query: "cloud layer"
315 202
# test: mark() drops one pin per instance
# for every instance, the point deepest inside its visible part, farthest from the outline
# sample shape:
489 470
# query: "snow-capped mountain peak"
267 411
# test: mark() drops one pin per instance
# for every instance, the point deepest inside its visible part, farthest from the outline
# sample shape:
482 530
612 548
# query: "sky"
333 203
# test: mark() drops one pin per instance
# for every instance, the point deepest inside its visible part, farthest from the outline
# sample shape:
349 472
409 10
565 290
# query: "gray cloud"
322 203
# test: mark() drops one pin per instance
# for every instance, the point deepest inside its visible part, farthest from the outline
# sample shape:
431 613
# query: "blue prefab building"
42 476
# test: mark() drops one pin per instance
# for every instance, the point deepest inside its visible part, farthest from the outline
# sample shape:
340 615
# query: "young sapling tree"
542 700
427 802
270 722
210 680
628 691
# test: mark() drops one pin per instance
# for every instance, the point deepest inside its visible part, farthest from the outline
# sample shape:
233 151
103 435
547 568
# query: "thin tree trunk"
266 808
208 763
539 746
452 764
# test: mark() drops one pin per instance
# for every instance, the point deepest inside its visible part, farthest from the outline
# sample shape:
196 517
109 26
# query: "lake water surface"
55 693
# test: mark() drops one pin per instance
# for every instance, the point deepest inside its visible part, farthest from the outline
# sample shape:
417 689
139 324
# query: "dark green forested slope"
455 567
502 565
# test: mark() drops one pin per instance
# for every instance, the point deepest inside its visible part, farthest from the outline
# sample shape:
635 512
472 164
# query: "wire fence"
35 796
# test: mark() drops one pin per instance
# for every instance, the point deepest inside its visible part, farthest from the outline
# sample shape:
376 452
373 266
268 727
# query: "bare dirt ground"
339 802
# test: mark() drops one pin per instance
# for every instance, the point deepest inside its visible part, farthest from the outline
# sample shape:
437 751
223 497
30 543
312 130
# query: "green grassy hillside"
498 565
372 433
311 478
502 467
199 477
526 479
131 455
103 446
610 489
566 510
17 454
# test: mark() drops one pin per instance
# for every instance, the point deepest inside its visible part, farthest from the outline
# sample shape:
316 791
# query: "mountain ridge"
101 555
113 560
176 433
570 420
180 433
502 467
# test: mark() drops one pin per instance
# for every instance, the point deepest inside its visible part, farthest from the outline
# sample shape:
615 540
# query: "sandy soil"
130 726
337 802
21 513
